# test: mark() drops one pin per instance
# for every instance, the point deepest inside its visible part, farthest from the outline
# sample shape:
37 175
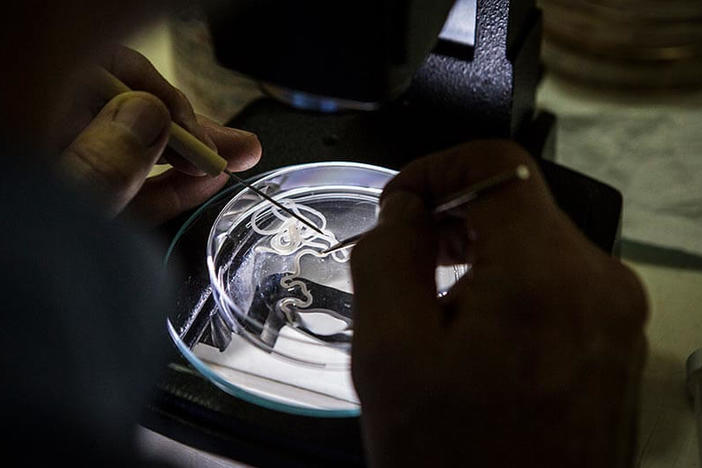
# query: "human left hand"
109 146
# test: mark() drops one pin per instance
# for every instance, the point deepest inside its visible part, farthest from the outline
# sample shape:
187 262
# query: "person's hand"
533 359
111 146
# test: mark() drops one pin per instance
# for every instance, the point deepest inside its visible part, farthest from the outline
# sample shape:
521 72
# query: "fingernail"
401 206
145 118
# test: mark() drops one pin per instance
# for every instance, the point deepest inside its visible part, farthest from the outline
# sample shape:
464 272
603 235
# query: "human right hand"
533 359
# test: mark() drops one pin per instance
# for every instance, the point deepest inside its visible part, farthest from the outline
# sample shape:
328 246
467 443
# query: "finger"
167 195
115 152
171 193
393 271
497 219
137 72
438 175
240 148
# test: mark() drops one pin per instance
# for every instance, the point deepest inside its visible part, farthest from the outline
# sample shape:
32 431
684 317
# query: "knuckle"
634 301
134 59
181 107
124 60
181 98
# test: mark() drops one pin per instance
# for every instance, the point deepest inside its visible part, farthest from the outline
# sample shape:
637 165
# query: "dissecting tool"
191 148
455 200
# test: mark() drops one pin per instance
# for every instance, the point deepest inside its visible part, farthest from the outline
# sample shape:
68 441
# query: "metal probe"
190 147
455 200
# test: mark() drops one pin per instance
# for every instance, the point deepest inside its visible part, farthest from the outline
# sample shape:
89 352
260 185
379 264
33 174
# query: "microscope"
381 82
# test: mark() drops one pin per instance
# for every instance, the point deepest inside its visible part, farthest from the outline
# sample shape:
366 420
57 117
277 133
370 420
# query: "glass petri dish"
279 310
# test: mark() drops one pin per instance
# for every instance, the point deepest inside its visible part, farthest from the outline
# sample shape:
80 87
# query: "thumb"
114 154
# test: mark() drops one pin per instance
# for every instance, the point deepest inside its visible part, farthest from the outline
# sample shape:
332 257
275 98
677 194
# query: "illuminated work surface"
667 428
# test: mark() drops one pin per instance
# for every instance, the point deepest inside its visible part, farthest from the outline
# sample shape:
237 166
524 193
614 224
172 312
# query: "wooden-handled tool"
190 147
182 141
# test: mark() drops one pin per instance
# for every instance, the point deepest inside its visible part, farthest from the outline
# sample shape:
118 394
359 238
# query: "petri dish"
279 311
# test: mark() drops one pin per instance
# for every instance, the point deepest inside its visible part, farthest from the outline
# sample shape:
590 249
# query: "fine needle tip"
344 244
334 248
273 201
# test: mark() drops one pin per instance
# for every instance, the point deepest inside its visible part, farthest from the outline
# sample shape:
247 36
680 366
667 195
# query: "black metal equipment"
369 81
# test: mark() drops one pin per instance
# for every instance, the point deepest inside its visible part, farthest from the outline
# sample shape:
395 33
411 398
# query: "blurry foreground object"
648 44
694 386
